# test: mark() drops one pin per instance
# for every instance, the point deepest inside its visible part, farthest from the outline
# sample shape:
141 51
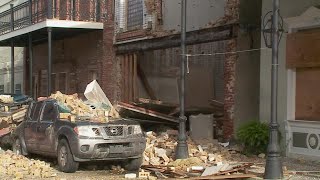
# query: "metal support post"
12 66
49 60
182 147
273 169
30 65
11 17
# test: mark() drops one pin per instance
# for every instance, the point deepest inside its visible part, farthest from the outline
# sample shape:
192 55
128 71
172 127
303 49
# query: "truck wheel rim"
63 155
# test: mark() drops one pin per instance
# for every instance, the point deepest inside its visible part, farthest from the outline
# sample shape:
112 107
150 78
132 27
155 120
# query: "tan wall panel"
303 49
308 94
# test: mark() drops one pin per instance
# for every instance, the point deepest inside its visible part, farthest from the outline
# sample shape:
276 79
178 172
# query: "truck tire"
133 164
65 158
16 147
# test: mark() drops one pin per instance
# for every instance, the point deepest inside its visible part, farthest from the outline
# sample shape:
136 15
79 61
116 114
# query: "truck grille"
114 131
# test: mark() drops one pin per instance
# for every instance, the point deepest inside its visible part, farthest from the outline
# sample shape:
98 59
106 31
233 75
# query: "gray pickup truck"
44 133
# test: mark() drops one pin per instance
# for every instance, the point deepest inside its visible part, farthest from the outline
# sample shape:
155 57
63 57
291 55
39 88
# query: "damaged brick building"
147 44
132 48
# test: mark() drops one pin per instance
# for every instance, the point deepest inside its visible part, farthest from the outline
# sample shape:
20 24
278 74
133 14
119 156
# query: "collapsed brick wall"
229 89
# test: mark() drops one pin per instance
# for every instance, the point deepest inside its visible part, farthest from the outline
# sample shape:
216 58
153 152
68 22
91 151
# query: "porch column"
12 49
49 60
12 66
30 65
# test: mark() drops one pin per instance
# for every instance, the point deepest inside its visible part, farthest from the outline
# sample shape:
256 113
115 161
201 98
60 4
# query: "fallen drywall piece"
95 94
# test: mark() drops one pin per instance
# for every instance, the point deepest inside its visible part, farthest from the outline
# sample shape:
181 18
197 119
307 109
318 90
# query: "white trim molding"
54 24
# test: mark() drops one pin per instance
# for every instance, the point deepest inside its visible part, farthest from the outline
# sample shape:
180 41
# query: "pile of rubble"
160 150
6 99
12 113
206 157
71 106
20 167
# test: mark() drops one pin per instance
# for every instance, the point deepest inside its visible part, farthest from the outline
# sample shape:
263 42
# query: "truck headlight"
87 131
137 129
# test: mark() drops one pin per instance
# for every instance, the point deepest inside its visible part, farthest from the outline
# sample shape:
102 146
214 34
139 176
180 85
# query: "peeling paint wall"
203 82
199 13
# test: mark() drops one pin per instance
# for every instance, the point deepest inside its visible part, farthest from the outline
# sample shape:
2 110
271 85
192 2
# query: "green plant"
254 136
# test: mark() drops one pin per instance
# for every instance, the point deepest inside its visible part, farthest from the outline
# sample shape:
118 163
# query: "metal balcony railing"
36 11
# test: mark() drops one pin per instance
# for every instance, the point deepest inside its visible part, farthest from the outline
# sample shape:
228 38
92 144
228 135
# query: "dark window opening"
135 14
50 112
37 111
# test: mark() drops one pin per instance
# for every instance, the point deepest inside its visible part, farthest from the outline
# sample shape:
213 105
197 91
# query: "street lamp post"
273 168
182 147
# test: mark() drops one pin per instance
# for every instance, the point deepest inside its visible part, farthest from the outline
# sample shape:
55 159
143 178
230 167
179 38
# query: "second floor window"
135 14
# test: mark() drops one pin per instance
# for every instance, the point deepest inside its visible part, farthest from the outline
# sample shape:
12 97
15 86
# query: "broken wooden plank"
194 110
147 112
217 103
156 102
235 169
156 105
232 176
211 170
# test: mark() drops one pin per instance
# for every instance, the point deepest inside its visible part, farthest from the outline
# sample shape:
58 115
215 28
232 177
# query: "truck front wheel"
65 158
133 164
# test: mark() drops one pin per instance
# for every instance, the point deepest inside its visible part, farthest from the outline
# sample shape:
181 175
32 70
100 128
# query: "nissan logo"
114 131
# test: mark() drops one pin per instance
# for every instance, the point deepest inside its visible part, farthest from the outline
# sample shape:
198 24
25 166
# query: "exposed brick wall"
131 35
229 89
111 71
72 56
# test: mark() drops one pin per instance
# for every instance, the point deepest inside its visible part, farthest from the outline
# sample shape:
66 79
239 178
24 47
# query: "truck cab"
43 132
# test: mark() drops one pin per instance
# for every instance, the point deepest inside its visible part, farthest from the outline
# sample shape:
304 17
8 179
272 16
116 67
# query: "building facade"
5 60
297 98
132 47
147 41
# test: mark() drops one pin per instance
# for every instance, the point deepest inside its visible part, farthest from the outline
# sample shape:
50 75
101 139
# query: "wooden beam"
147 112
130 77
135 75
145 82
126 88
156 102
232 176
195 37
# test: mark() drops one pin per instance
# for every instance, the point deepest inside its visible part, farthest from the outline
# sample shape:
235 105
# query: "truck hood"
118 121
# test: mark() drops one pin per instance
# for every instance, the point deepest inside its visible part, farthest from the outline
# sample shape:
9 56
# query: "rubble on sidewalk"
20 167
209 157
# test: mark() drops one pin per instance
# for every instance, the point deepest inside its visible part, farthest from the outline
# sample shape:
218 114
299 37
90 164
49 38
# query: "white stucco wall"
5 67
5 4
5 56
199 13
288 8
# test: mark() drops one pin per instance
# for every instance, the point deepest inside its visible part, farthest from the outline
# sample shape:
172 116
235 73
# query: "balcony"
37 15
